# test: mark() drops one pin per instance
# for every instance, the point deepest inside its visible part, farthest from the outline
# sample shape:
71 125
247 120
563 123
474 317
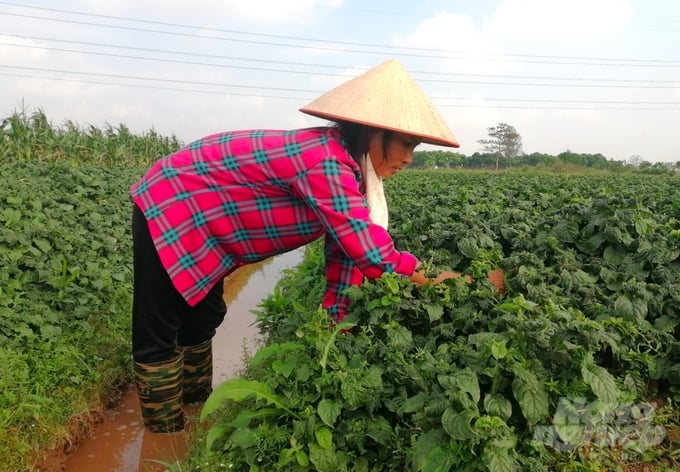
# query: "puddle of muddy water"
121 444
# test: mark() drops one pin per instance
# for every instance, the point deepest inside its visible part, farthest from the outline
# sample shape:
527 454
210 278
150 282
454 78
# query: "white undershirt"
375 193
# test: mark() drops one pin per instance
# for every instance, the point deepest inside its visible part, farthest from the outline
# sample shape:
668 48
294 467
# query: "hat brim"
425 138
385 97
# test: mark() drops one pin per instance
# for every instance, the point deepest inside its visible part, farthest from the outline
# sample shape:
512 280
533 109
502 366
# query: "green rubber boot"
198 372
159 387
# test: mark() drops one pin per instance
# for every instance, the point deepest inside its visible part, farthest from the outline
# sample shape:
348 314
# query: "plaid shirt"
238 197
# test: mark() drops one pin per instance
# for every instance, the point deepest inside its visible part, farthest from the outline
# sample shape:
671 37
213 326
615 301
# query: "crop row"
565 370
65 294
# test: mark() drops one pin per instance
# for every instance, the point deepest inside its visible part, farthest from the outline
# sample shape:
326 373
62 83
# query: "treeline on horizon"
479 160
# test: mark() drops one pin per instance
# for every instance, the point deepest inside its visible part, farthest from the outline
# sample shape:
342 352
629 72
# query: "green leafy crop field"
576 367
65 278
65 293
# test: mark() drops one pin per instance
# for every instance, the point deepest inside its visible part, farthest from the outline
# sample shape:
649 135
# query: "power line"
287 63
152 87
315 93
173 61
563 60
442 77
473 82
154 79
173 52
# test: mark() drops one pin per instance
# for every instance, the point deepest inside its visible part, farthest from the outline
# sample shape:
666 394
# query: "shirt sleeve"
331 188
341 273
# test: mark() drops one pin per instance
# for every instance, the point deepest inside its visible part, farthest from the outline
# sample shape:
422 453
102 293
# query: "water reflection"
121 444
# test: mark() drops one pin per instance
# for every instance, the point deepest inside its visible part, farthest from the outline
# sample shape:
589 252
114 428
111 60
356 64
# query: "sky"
587 76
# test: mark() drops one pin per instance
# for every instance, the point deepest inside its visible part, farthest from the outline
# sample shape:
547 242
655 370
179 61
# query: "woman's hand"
497 279
420 278
447 274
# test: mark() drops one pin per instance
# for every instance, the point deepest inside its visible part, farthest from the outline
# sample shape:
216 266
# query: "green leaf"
635 310
380 430
434 312
590 245
465 380
244 417
324 460
531 396
360 464
324 437
429 454
499 350
239 389
400 337
468 247
567 230
613 279
353 392
373 378
497 405
358 389
302 458
286 456
214 433
612 255
568 424
457 423
43 244
601 382
339 328
329 410
498 459
243 438
286 366
440 459
279 349
483 339
413 404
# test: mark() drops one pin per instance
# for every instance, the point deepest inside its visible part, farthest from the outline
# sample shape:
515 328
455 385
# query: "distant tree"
617 166
437 159
596 161
482 160
536 159
635 160
448 160
422 160
503 141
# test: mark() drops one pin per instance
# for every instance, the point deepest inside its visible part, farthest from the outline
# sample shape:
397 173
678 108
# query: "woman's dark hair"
355 137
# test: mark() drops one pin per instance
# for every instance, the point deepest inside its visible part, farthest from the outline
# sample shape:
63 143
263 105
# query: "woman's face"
399 152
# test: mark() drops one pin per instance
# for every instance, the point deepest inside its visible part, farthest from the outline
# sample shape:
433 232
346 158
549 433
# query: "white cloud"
467 48
264 11
26 49
558 19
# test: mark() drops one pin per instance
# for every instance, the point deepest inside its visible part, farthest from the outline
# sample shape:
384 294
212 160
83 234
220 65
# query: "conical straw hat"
385 97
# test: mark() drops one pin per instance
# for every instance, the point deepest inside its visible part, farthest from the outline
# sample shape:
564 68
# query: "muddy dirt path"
121 444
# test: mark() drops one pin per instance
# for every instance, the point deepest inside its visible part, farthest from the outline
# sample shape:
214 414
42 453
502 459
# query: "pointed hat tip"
384 97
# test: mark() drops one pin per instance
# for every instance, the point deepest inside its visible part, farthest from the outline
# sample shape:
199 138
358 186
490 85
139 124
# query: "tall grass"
31 136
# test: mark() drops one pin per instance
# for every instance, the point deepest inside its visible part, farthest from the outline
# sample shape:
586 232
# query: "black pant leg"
203 319
161 318
157 307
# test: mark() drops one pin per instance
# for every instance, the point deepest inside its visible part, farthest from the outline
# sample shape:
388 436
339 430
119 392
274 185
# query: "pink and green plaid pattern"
238 197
